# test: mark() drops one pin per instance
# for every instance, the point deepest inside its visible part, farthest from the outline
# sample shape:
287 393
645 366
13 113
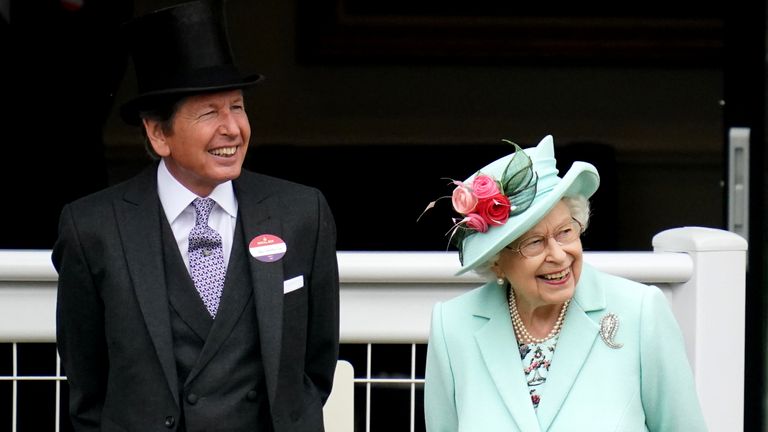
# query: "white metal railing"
387 297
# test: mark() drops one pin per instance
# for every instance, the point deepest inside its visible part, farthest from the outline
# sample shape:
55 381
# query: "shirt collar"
175 197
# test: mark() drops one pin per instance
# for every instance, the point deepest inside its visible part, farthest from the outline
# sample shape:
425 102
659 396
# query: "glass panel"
356 355
390 407
391 361
36 406
37 359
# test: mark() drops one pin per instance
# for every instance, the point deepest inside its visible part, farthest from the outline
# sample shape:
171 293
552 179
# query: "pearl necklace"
522 334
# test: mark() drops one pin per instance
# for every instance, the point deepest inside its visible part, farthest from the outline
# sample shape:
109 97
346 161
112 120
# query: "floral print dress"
536 358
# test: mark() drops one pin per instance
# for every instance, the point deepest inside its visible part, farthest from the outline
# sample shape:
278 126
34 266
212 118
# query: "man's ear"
156 137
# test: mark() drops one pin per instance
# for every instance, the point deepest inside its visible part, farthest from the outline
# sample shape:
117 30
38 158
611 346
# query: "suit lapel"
256 215
234 298
139 220
503 359
573 346
182 294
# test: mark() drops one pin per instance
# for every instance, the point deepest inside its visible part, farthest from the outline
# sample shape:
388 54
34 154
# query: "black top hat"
178 51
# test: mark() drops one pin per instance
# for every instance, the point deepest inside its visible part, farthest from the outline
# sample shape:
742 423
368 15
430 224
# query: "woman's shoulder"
614 291
474 298
615 284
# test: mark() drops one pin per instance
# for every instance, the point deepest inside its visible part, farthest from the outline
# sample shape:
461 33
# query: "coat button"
252 395
170 421
192 398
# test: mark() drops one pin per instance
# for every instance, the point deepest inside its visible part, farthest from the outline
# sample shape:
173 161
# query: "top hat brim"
581 179
130 110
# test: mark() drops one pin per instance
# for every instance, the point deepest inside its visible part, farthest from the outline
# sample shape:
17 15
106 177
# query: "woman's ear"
156 137
496 269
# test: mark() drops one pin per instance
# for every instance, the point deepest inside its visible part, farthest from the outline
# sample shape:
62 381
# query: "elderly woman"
550 343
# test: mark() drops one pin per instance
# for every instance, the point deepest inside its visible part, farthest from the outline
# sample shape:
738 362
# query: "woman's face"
549 278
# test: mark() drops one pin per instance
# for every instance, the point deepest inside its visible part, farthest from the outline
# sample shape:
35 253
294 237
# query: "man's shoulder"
141 183
256 181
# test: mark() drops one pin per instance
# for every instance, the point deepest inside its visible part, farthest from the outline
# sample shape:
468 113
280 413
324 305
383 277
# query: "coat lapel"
234 298
257 218
139 220
573 347
503 359
182 294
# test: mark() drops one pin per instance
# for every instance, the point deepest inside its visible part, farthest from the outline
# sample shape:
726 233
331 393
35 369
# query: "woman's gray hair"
579 208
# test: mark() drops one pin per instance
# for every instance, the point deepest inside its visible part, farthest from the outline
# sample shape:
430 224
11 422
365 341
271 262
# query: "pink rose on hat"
476 222
485 186
464 201
490 197
482 205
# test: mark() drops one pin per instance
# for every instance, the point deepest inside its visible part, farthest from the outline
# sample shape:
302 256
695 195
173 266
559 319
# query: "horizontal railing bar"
372 285
440 267
26 265
389 381
32 378
357 380
399 267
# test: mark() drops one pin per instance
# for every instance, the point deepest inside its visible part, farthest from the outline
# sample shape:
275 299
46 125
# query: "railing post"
717 351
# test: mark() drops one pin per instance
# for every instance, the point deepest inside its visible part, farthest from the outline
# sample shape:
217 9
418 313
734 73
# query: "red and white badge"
267 248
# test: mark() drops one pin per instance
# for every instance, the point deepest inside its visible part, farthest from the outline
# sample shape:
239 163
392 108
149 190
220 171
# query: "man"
196 296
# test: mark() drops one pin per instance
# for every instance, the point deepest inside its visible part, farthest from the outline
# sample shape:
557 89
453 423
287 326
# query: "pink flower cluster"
482 204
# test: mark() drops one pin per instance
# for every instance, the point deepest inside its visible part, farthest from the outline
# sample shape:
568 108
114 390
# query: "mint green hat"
581 179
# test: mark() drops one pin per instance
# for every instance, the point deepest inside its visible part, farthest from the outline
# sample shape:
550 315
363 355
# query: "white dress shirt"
177 205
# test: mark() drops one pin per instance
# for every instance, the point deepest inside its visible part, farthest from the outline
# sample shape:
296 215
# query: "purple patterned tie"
206 256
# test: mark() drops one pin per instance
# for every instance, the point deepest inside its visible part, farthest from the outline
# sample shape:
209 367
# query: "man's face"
208 142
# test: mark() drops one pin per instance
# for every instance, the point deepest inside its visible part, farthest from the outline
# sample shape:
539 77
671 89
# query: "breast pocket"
294 294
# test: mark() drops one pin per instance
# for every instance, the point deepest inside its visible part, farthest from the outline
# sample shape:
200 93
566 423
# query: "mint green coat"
475 380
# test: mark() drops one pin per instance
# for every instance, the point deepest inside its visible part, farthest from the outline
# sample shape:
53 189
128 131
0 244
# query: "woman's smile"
559 277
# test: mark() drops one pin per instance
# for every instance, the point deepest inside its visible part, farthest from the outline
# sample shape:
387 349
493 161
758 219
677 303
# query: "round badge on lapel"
267 247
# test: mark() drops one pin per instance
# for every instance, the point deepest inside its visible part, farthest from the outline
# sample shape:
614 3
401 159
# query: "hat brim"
581 179
130 110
